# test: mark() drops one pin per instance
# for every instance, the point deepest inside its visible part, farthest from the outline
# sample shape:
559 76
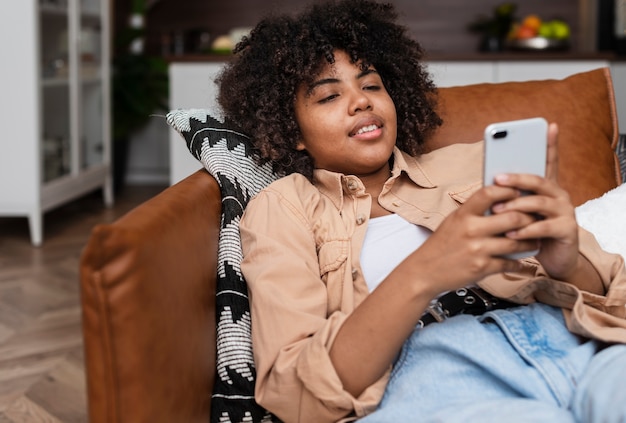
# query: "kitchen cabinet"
452 73
55 106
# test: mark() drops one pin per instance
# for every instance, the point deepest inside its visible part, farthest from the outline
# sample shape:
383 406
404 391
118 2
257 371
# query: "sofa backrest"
583 105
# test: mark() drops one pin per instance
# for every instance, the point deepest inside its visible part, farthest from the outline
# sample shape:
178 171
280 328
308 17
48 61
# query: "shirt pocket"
461 193
332 257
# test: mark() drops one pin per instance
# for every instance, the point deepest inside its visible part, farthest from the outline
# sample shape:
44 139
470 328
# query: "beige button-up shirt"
302 243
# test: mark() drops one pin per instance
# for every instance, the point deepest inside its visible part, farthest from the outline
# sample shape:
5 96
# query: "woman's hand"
469 244
472 244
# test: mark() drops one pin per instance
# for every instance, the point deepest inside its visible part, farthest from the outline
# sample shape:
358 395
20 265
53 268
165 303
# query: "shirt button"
360 219
355 273
352 185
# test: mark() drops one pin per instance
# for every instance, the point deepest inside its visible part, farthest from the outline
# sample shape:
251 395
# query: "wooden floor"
42 375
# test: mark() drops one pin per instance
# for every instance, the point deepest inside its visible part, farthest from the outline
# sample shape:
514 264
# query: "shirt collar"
335 185
410 165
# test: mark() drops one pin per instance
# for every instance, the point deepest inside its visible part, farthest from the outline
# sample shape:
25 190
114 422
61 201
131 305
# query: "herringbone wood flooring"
42 375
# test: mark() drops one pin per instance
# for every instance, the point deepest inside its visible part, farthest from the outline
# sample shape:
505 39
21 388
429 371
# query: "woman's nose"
360 102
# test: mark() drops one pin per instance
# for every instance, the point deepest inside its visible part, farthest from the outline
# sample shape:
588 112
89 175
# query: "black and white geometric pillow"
228 156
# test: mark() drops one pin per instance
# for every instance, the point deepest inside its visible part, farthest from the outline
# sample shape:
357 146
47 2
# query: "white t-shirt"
389 240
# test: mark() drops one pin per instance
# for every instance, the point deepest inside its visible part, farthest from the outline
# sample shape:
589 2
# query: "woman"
347 256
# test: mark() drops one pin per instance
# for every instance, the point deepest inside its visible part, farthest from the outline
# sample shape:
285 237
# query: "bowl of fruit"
533 33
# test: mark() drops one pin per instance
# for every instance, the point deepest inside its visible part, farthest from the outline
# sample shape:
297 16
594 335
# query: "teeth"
368 128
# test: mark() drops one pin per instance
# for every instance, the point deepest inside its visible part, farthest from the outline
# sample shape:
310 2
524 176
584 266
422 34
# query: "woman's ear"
300 146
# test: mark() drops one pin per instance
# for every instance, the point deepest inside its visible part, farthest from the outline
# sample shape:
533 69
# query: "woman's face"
347 119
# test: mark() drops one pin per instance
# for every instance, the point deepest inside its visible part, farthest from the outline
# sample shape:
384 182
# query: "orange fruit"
524 32
532 21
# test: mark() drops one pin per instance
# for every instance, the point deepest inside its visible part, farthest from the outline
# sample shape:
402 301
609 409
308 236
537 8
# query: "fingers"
469 242
552 213
552 156
532 183
502 246
472 224
482 200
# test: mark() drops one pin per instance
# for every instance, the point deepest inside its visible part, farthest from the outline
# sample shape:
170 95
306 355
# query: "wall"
438 24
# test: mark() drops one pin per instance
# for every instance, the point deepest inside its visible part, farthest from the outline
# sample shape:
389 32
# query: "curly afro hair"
258 87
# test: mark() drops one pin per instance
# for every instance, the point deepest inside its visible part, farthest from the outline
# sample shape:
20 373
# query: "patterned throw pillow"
229 157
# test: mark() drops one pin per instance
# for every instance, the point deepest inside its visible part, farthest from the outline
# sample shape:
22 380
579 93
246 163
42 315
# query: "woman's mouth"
368 128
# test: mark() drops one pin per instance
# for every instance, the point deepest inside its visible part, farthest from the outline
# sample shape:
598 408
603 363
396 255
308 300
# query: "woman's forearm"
376 329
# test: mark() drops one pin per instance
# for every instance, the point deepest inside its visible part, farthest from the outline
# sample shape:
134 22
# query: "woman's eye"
328 98
372 87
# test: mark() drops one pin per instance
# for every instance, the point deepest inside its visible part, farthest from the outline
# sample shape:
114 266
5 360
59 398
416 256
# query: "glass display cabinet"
55 111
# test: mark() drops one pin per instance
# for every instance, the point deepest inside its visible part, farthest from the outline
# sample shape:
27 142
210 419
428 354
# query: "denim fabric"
513 365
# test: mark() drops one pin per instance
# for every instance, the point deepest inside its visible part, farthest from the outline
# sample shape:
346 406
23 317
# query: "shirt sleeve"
601 317
292 329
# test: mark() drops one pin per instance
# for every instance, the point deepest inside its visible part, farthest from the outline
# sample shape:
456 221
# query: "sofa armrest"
148 301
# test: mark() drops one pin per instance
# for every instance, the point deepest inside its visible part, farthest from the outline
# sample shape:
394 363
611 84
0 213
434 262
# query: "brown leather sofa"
148 279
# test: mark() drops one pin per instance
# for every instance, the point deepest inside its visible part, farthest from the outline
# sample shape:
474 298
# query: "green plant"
140 87
496 25
140 84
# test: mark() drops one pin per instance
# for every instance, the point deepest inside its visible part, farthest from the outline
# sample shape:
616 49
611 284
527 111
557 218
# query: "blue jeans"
513 365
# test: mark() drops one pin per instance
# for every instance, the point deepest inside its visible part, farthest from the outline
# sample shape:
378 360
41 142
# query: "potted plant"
140 87
494 29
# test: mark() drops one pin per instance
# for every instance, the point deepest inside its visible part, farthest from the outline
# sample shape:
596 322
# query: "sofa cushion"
583 106
604 218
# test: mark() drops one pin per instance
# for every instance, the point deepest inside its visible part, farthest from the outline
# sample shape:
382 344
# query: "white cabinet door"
55 106
531 70
19 113
447 74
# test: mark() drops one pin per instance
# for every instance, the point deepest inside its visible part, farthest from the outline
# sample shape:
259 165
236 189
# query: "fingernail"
502 177
497 207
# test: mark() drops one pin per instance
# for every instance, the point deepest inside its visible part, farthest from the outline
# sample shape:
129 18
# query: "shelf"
55 81
86 13
64 82
91 80
49 9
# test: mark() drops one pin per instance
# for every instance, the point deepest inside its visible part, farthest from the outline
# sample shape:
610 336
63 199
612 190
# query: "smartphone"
518 146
